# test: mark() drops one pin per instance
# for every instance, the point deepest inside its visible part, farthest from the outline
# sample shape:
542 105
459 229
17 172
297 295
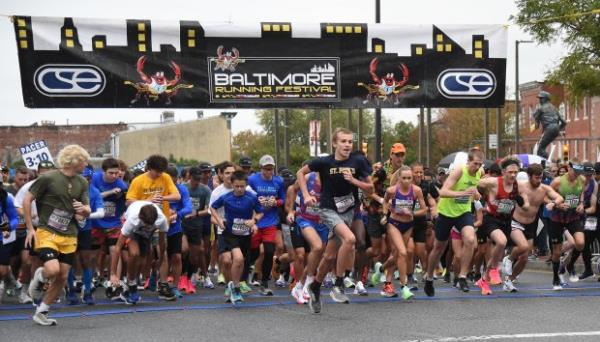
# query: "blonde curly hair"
72 155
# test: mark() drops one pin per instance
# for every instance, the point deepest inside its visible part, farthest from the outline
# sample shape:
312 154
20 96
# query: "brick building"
582 116
96 139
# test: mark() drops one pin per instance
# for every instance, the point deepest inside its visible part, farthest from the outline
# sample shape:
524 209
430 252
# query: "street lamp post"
517 106
229 116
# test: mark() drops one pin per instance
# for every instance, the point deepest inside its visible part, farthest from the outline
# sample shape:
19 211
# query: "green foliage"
576 23
182 161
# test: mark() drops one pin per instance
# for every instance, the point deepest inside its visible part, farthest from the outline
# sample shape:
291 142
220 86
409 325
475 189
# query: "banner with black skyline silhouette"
131 63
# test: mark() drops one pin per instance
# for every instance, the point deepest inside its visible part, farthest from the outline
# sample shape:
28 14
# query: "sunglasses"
46 165
399 154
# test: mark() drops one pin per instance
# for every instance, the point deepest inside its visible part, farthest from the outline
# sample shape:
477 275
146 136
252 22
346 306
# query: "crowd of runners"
339 223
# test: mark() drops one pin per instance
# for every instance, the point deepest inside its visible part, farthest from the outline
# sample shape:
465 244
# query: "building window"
586 115
576 148
585 150
576 110
567 114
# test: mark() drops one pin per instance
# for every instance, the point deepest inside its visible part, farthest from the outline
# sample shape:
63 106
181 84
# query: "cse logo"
466 83
69 80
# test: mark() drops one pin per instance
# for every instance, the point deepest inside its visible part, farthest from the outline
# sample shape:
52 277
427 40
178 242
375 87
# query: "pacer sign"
34 153
253 79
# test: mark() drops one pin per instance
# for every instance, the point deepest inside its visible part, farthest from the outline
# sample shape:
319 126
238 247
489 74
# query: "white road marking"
507 336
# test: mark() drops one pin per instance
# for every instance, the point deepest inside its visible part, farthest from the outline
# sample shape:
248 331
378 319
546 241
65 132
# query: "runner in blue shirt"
84 245
271 194
106 230
179 209
242 211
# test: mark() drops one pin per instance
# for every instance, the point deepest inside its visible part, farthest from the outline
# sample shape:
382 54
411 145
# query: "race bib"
462 199
343 203
591 223
505 206
239 227
110 209
314 210
403 204
572 201
417 206
195 203
60 219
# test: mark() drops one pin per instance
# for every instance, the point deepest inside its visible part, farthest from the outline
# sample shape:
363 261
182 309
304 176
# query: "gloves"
520 201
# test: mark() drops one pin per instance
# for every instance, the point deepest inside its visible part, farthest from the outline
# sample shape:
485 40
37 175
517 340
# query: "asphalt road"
535 313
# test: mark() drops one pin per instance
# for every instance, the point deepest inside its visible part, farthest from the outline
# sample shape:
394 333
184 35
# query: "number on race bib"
343 203
239 227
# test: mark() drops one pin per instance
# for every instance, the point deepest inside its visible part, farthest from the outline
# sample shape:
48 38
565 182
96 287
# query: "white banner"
314 133
34 153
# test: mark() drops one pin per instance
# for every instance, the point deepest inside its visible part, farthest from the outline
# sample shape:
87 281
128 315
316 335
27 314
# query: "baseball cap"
195 172
45 164
4 168
398 148
578 168
588 168
442 170
245 162
204 167
597 167
266 160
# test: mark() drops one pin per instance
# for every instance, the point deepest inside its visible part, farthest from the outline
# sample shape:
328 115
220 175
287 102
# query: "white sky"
534 60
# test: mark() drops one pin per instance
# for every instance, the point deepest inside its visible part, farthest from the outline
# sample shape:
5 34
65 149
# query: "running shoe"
213 271
376 276
328 281
483 285
388 291
446 276
563 279
315 300
412 283
349 283
507 266
255 283
298 295
191 287
88 298
165 292
406 294
455 282
177 293
170 279
396 275
72 298
280 282
133 297
41 318
585 275
221 279
236 297
36 286
573 278
418 267
231 289
429 289
207 283
183 285
338 295
244 288
556 286
227 295
494 276
463 285
24 297
509 286
265 291
360 289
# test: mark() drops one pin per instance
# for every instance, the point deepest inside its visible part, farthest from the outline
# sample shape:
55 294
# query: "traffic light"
365 147
566 152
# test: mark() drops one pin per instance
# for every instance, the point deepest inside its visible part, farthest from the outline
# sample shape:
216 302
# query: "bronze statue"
551 121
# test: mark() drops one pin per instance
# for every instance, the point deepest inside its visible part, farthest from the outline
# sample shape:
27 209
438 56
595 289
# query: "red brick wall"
94 138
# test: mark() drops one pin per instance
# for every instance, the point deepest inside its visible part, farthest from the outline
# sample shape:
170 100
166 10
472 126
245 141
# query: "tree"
577 23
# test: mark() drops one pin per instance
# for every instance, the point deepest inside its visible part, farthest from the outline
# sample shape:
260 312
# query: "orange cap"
398 148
